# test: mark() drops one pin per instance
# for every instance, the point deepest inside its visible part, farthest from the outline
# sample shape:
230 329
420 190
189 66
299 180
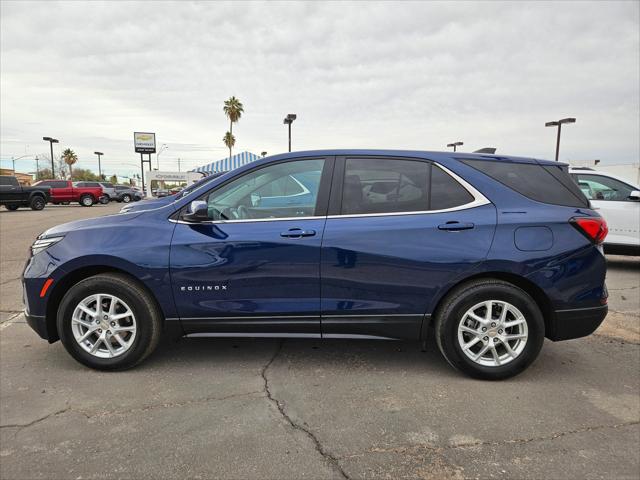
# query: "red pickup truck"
64 191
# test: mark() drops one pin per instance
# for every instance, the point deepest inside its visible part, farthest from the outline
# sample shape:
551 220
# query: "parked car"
618 201
108 191
488 254
13 195
159 202
161 192
126 194
64 191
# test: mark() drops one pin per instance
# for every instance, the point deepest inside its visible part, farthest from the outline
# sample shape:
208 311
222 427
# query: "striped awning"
228 163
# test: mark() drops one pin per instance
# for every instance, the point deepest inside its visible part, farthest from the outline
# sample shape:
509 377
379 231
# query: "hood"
88 223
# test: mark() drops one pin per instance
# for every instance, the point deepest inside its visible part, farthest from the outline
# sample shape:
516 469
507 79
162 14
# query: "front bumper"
39 324
576 323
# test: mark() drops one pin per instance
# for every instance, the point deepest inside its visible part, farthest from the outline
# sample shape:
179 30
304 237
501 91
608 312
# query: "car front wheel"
126 198
489 329
109 322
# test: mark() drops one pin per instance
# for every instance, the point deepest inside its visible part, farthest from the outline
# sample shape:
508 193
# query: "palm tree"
69 157
229 140
233 109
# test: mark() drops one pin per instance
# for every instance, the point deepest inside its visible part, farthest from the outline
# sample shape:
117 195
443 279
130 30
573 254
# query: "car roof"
427 154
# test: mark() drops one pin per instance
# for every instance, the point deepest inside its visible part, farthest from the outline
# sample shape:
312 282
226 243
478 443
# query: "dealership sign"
144 142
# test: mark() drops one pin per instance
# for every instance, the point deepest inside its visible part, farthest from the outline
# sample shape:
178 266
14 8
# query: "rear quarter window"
542 183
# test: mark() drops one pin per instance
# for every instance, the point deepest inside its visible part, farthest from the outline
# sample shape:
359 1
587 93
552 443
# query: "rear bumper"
576 323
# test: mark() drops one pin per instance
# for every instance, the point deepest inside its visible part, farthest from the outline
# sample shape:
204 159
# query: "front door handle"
298 233
455 226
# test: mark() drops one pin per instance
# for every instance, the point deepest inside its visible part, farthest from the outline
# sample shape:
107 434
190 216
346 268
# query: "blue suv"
489 254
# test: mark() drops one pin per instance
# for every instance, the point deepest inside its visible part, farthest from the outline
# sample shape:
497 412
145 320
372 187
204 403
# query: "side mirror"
197 211
635 195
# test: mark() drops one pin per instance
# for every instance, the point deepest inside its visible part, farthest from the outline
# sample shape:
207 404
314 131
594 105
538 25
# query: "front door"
254 266
398 231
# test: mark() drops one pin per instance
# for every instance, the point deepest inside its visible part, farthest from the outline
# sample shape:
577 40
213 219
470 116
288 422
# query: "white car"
618 201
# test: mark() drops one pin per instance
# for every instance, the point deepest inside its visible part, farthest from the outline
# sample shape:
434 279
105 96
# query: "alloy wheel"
104 325
492 333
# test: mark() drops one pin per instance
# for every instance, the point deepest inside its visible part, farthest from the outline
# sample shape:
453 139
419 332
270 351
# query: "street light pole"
288 120
51 142
454 145
13 161
162 149
99 154
559 125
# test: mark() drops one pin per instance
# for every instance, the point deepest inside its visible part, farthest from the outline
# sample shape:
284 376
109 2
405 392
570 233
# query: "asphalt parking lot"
225 408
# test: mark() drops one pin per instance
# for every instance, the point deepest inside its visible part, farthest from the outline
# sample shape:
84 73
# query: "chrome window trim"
478 200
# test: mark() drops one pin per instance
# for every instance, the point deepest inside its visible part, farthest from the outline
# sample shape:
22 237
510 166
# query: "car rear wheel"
105 199
11 207
86 200
126 198
37 203
109 322
489 329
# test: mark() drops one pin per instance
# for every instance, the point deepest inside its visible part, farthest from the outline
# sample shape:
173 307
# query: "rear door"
398 230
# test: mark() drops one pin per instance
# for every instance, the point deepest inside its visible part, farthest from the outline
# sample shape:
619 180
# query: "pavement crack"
145 408
515 441
37 420
333 461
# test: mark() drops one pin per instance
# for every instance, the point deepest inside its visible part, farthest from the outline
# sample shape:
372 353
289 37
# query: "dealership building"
228 163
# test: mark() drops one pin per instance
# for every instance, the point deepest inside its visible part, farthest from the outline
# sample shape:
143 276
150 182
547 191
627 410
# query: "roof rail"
490 150
581 168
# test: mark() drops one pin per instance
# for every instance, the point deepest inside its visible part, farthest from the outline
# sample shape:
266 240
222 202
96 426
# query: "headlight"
43 243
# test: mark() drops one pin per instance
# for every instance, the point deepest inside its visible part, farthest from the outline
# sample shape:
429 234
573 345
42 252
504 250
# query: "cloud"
376 74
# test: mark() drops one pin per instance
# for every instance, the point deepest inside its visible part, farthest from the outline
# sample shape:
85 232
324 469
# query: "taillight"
594 228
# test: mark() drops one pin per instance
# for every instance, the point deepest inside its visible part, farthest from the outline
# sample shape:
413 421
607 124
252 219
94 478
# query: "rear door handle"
298 233
455 226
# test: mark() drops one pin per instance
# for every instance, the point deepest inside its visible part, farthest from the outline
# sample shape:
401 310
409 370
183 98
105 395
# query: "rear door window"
547 184
381 185
446 192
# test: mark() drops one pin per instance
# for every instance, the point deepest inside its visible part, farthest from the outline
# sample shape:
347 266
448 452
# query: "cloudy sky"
389 75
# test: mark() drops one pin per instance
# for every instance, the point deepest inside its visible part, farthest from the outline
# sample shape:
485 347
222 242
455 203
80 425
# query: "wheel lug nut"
108 332
493 324
99 330
113 324
486 338
106 317
484 329
500 331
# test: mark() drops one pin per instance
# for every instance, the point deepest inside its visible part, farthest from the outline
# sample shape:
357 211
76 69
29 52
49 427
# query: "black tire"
451 312
86 200
148 319
105 200
12 207
126 198
37 203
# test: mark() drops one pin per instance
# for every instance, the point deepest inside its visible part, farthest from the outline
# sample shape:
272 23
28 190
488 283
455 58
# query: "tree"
113 179
69 157
229 140
233 109
86 175
44 174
